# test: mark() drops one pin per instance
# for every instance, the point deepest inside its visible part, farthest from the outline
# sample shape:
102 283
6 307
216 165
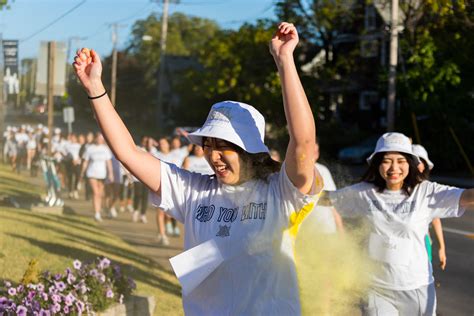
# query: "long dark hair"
372 175
426 172
261 163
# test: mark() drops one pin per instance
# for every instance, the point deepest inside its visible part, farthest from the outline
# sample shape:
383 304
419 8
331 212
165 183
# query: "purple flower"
131 283
109 294
44 312
69 299
7 284
117 269
60 286
58 276
20 288
101 278
40 287
79 306
56 308
83 289
104 263
56 298
93 272
21 310
31 294
66 310
12 291
71 278
77 264
44 296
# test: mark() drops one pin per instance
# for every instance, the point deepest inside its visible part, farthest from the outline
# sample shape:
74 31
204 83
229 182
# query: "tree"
186 36
236 66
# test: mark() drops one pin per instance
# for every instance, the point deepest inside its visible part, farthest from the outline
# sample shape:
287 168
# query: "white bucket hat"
392 142
238 123
421 152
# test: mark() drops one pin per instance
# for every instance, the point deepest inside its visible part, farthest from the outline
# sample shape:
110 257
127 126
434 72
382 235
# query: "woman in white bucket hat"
239 224
425 166
398 206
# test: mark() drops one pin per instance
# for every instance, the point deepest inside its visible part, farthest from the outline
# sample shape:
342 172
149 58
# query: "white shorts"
417 302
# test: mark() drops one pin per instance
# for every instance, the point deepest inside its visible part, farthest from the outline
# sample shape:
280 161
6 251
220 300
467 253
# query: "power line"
53 22
135 14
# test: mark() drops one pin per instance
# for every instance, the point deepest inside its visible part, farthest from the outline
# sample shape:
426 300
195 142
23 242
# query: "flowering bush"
82 289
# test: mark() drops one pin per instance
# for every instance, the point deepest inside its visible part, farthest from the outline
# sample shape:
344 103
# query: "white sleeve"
177 186
443 200
291 198
349 201
109 153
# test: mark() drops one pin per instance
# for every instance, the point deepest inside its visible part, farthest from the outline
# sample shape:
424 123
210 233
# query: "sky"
87 23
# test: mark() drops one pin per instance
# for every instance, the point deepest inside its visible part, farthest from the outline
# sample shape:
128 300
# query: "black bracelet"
99 96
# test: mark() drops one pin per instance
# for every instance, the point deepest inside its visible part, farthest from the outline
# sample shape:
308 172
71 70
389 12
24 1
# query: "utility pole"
392 73
50 90
161 66
113 83
114 64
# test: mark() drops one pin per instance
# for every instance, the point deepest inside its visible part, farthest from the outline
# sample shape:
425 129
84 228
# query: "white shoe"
169 229
130 208
163 240
113 212
97 217
176 232
143 219
135 216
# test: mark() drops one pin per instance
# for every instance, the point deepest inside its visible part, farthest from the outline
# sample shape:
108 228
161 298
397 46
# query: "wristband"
96 97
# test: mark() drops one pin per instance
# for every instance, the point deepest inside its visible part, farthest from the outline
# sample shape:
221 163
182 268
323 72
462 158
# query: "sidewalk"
142 237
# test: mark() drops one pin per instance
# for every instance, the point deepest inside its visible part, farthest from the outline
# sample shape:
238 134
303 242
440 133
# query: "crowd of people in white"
85 160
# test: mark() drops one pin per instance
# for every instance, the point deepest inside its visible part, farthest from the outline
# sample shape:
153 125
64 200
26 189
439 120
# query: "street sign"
68 114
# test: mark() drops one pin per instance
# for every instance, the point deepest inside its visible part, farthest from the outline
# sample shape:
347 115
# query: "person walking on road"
97 167
425 166
398 205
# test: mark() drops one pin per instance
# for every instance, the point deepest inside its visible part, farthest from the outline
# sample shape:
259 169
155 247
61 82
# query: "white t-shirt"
72 150
398 225
322 217
97 155
118 170
21 138
31 144
255 223
177 156
199 165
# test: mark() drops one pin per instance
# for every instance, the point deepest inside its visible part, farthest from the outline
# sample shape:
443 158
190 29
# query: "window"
370 18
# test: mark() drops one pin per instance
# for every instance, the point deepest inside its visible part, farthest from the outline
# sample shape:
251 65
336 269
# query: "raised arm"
144 166
299 158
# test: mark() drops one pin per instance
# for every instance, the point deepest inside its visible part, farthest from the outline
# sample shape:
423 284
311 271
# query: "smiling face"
225 160
394 169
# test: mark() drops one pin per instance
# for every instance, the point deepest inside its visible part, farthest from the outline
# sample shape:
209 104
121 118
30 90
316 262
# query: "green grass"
58 240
